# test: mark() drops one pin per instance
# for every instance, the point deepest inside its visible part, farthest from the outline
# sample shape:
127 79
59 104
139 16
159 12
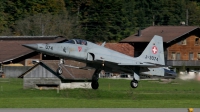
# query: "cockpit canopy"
77 41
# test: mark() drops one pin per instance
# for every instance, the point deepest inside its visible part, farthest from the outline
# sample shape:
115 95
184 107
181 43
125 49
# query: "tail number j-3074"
151 58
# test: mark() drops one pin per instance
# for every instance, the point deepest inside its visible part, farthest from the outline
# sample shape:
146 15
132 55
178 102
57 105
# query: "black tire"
95 85
59 71
134 83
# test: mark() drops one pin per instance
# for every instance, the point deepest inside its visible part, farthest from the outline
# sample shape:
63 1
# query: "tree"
3 21
194 12
16 10
100 20
49 24
109 20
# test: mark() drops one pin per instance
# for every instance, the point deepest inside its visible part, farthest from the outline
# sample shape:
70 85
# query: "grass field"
111 94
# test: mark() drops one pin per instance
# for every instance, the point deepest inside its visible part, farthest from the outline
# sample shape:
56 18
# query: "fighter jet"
100 58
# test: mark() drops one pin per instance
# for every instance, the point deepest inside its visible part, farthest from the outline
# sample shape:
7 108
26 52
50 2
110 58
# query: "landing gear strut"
136 77
95 78
59 70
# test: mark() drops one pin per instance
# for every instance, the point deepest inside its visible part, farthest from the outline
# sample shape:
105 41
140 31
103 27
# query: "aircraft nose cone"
31 46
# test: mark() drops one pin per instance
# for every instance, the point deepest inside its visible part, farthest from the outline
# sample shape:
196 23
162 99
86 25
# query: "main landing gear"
134 83
95 85
59 70
95 78
136 77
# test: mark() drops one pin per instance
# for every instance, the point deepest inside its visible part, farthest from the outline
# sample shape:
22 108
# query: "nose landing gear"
59 70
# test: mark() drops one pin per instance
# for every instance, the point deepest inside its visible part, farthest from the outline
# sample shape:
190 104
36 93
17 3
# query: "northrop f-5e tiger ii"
101 58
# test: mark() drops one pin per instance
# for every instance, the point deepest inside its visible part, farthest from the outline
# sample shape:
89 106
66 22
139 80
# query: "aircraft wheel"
59 71
94 85
134 83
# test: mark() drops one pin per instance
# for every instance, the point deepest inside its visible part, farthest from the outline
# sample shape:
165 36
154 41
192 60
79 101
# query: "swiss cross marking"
154 49
79 48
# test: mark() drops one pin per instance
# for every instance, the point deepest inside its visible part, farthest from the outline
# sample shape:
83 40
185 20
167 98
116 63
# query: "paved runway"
101 110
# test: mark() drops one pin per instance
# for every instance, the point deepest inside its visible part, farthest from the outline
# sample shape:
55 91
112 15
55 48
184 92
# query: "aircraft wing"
129 64
137 64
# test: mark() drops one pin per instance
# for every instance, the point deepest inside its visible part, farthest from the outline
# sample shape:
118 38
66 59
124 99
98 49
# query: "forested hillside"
95 20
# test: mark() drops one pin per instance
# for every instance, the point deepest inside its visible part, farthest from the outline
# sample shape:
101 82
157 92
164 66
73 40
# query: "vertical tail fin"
154 52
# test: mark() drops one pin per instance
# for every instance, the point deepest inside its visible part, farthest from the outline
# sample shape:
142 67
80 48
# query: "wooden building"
181 45
44 75
187 49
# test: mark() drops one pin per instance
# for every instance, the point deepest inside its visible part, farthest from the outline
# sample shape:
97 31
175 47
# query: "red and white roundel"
154 49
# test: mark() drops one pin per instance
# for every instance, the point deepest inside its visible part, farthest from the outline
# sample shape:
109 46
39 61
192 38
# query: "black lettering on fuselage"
151 58
49 47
